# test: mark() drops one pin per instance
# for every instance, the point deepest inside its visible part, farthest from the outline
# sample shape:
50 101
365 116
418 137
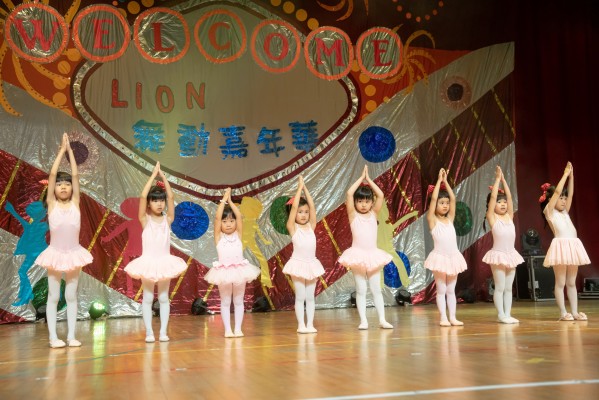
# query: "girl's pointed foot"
311 329
385 325
57 344
363 326
229 334
239 334
150 339
455 322
73 343
444 322
164 338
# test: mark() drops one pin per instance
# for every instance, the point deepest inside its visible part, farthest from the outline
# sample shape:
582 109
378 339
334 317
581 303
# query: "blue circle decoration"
377 144
406 262
463 219
191 221
391 275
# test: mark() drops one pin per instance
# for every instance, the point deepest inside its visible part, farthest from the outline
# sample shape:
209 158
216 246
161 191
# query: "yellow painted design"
115 268
385 234
208 292
3 101
10 181
410 60
505 114
139 292
49 74
403 192
464 149
28 87
70 14
251 209
330 233
281 265
91 245
483 130
189 260
416 160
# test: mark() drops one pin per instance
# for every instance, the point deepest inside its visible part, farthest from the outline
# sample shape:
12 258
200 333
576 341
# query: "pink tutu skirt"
451 264
155 268
238 273
59 260
364 261
510 259
309 270
563 251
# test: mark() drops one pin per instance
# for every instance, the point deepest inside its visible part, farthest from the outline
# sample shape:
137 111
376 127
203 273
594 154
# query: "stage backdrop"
248 95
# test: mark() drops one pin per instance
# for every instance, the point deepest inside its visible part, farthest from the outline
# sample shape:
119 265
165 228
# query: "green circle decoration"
278 214
463 219
40 294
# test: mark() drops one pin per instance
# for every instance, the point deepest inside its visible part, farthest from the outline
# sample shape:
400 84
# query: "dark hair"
64 177
548 196
443 194
363 193
228 213
156 193
302 202
500 196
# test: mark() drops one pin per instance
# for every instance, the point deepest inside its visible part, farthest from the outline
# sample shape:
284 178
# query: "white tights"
377 296
446 289
235 292
565 275
148 299
502 296
304 292
70 294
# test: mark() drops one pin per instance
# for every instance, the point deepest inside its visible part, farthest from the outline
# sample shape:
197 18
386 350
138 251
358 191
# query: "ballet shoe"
363 326
385 325
504 320
57 344
311 329
514 320
580 316
566 317
444 323
455 322
164 338
302 330
150 339
229 334
73 343
239 334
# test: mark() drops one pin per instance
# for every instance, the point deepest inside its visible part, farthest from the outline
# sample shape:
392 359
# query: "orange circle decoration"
42 46
332 32
372 53
220 21
146 46
89 38
283 30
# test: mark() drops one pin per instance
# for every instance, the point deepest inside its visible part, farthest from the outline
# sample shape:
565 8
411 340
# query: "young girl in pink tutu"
64 254
503 257
363 258
231 272
445 261
156 265
303 266
566 251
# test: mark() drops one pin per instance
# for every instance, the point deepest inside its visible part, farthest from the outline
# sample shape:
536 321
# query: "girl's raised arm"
452 202
74 171
219 215
310 205
238 216
170 198
143 197
50 197
294 206
349 197
493 199
380 196
558 191
508 195
570 189
430 213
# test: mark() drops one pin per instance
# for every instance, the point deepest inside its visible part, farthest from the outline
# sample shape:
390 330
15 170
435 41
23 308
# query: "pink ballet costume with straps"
364 257
565 248
64 252
503 252
231 267
303 262
156 262
446 256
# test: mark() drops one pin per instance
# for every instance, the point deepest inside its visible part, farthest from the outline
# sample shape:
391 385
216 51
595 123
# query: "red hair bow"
498 190
544 188
431 188
290 201
160 184
44 182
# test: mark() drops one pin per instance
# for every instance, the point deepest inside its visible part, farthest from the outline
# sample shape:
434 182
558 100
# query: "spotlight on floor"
261 305
199 307
403 297
97 309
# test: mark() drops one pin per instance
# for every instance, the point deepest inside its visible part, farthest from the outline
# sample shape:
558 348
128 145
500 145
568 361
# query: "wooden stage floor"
540 358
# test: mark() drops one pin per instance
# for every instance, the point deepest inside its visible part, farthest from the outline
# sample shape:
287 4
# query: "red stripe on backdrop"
469 141
96 221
